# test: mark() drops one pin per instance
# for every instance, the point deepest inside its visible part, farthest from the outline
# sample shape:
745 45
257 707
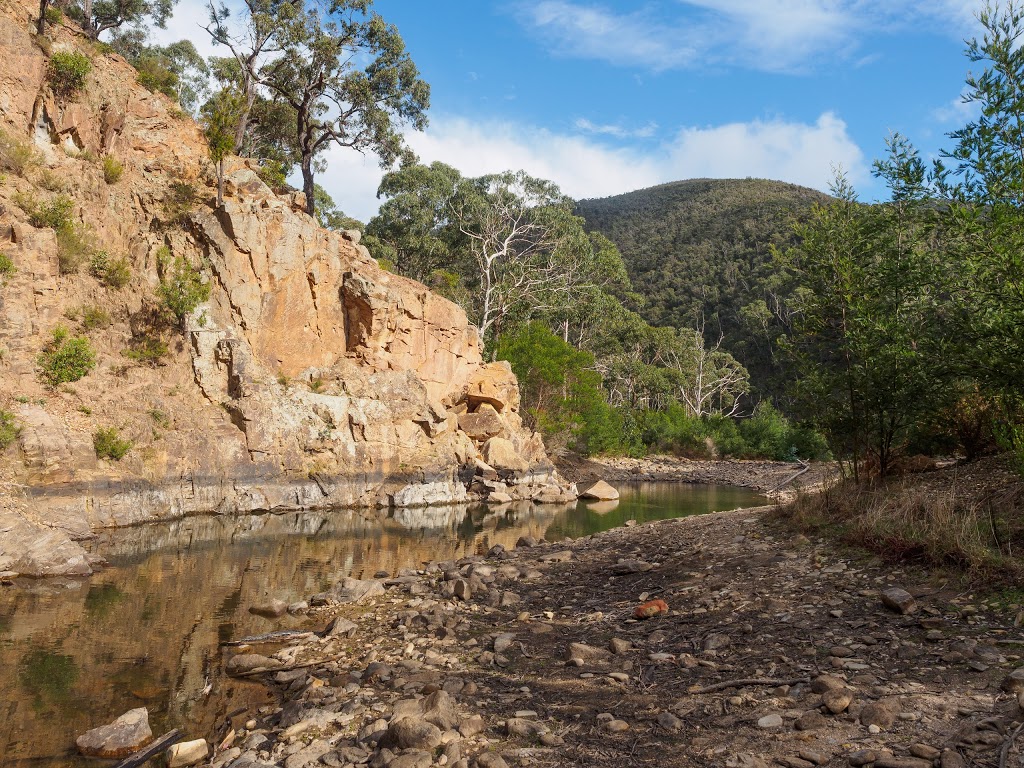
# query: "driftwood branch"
151 751
290 667
790 479
1004 752
744 682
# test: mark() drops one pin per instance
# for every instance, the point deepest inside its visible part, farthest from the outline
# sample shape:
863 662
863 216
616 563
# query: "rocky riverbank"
761 648
759 475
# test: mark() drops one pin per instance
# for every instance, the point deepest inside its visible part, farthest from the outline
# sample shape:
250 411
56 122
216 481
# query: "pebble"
770 721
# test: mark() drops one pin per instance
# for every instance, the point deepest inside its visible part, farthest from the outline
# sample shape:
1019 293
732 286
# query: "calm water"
74 654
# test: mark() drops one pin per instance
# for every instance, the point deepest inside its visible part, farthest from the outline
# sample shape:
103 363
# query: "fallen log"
147 753
744 682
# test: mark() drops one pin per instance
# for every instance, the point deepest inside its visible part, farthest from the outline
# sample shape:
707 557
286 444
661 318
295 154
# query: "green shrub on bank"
67 73
55 213
7 267
66 358
109 444
9 429
148 350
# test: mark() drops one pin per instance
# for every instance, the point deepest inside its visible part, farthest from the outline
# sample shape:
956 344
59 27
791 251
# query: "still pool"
146 631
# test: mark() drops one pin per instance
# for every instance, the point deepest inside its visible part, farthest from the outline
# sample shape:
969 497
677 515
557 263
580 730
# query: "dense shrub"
9 429
66 358
113 272
109 444
148 350
112 169
182 288
55 213
7 267
93 316
74 247
179 201
67 73
16 155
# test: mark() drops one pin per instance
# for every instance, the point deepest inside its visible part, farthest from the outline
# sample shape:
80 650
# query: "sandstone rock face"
310 379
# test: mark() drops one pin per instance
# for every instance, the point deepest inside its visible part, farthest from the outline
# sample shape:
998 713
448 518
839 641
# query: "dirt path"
855 683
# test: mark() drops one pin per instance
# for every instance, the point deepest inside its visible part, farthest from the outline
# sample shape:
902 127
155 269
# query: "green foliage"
51 181
66 358
176 70
9 429
113 14
67 72
113 169
114 272
93 316
55 212
16 154
181 197
147 349
335 102
74 247
109 444
561 392
54 15
700 251
182 287
7 268
274 174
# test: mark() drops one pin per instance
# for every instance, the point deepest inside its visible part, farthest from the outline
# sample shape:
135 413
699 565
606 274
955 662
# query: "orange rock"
650 608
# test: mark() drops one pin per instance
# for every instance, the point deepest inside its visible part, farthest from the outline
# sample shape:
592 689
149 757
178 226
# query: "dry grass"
942 524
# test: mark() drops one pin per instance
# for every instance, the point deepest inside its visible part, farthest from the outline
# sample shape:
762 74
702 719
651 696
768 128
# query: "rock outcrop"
311 378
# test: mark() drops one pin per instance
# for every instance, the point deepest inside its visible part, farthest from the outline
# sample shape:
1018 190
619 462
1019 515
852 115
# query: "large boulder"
501 454
120 738
483 424
496 385
600 491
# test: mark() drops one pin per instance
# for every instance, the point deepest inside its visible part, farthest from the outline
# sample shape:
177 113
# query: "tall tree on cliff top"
336 102
98 16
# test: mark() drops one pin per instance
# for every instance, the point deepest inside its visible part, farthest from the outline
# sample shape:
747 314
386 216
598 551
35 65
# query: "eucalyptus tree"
336 100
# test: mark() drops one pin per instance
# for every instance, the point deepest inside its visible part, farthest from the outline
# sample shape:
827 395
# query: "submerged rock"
120 738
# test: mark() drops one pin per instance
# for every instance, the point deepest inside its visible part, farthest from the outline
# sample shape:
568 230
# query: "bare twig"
744 682
1004 753
154 748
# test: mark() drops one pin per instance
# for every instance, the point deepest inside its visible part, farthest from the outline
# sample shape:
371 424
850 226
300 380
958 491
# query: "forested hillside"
700 251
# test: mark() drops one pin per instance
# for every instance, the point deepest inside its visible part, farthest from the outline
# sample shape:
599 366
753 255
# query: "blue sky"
608 96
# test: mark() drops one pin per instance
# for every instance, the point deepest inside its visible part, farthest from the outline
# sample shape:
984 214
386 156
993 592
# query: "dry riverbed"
774 650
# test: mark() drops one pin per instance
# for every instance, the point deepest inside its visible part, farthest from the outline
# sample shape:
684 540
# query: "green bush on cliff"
67 73
109 444
182 288
112 169
16 155
66 358
7 267
9 429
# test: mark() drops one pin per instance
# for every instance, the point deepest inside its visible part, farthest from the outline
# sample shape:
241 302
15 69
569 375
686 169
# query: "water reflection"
145 631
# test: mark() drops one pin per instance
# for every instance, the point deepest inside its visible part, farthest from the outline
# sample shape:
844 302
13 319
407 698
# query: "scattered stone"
245 663
619 646
812 720
503 642
1014 682
716 641
669 722
823 683
186 753
861 757
881 713
120 738
411 733
902 762
517 727
817 758
309 755
490 760
773 720
615 726
837 700
342 627
588 653
899 600
471 726
952 759
925 751
650 609
463 590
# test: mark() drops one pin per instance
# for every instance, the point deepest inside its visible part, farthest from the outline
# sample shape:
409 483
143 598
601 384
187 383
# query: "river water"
146 631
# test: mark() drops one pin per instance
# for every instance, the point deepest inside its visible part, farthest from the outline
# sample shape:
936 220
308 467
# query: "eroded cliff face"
311 378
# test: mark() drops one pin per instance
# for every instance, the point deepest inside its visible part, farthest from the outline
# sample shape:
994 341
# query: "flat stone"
619 646
615 726
471 726
186 753
342 627
925 751
120 738
669 722
271 610
309 755
902 762
812 720
588 653
490 760
899 600
773 720
861 757
244 663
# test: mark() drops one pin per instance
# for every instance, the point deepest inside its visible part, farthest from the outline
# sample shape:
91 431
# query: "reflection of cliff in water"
146 631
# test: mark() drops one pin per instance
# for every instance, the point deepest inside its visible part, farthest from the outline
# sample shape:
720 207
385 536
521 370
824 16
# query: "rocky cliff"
310 378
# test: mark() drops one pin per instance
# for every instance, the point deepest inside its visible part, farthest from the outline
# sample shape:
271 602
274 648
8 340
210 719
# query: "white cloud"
615 130
583 167
772 35
958 111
